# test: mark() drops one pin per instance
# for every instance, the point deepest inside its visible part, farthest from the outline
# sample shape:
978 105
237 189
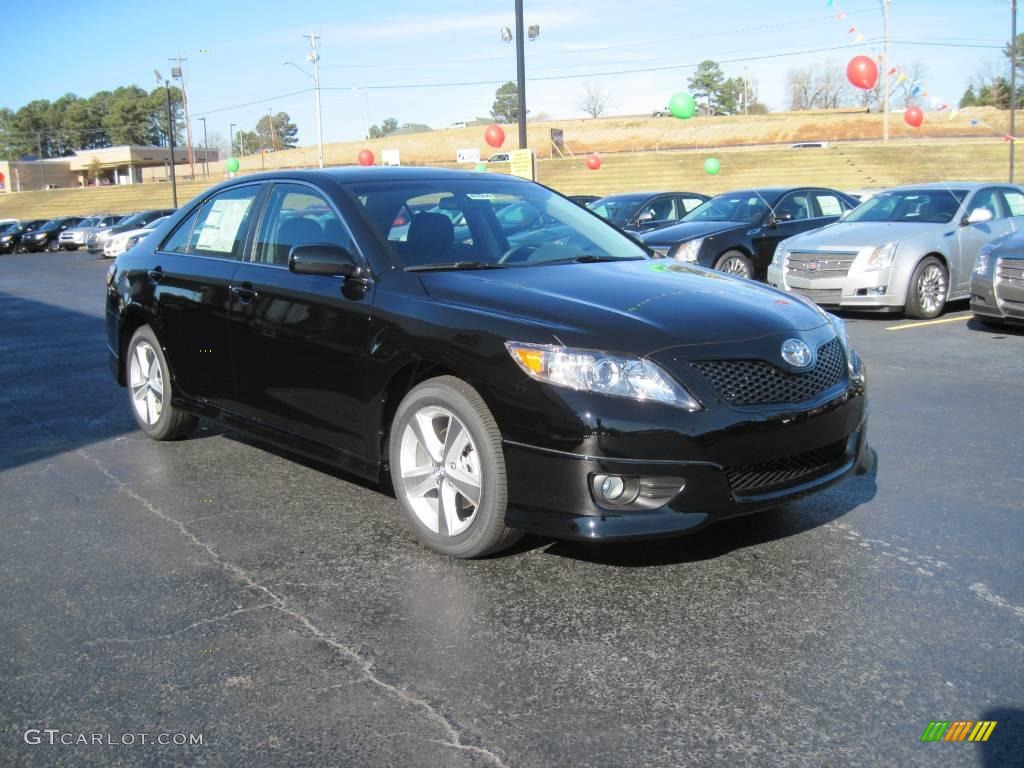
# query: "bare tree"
596 98
818 86
914 77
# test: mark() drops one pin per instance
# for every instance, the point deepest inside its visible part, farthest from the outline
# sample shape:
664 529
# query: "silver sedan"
910 248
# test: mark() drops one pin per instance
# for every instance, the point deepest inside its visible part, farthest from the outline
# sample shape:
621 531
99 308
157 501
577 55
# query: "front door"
299 341
973 236
191 279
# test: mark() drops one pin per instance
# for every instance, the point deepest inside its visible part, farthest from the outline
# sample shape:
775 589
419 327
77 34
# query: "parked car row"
106 233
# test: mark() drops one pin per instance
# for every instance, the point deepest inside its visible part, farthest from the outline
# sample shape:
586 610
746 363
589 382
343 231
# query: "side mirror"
781 216
978 216
323 259
644 217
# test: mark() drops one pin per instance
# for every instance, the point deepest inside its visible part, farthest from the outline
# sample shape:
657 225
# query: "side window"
988 198
218 228
689 203
179 239
297 215
797 205
663 208
829 205
1014 200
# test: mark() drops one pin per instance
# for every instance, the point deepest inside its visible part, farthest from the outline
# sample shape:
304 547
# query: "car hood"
688 230
858 234
635 307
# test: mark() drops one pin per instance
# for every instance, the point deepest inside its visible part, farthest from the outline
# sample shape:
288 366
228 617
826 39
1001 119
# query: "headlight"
688 251
880 258
600 372
853 363
6 238
779 256
985 254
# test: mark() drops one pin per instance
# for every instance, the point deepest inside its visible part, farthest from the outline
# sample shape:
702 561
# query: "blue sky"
391 48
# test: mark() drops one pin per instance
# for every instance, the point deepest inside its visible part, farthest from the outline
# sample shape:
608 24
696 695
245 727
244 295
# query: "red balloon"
593 162
494 135
365 157
862 71
913 116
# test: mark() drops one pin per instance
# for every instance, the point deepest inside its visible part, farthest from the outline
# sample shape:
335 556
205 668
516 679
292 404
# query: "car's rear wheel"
150 389
929 286
53 246
448 469
735 263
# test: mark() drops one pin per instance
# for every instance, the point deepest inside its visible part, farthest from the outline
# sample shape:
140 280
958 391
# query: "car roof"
357 174
968 185
654 193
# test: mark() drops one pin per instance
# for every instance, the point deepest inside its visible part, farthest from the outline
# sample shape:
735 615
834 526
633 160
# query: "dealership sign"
467 155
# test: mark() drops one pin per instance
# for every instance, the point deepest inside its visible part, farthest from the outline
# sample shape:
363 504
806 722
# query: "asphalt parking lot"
286 613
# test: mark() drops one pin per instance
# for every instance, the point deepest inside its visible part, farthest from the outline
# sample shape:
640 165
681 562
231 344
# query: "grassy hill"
647 153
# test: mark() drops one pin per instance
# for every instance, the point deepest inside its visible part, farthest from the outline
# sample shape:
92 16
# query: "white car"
122 241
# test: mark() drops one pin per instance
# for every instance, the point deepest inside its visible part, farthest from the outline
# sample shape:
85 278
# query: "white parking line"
952 319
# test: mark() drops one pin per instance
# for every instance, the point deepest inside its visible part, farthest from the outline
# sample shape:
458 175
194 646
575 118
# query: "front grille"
756 382
820 295
780 472
1010 271
819 266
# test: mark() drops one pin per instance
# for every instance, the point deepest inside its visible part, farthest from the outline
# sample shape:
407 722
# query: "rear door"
191 283
299 341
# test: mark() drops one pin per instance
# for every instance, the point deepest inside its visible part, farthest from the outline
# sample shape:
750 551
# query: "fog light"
612 487
879 291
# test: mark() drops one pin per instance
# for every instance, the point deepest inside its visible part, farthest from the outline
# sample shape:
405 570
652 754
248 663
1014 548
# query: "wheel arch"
132 319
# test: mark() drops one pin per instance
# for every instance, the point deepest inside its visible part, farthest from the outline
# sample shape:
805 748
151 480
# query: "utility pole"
231 138
170 139
179 73
39 146
1013 83
206 150
886 68
270 127
314 59
521 72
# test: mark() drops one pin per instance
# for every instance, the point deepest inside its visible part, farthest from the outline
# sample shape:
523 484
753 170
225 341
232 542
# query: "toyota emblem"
796 353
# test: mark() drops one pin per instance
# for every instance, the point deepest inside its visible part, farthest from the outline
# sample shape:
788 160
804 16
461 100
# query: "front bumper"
855 290
1002 302
550 491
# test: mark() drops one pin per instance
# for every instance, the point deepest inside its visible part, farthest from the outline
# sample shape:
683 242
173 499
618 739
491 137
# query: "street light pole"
206 150
521 72
170 139
314 59
231 138
886 67
179 73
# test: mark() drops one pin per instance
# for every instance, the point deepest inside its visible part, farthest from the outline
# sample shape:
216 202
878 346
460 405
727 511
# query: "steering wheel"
526 250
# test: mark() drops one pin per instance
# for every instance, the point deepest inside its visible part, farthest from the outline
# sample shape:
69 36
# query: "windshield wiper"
586 258
453 265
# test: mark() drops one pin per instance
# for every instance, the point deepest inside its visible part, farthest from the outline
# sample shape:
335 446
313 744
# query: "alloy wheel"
735 265
439 471
146 379
931 289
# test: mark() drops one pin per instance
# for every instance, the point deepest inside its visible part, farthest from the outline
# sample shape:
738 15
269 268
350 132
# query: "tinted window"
179 239
470 220
740 206
661 209
829 205
989 200
926 206
619 209
690 203
220 224
297 215
795 207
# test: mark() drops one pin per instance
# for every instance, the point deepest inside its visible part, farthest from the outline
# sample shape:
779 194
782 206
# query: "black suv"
47 237
11 237
571 386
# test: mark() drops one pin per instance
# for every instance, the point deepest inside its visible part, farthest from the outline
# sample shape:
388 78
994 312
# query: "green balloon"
232 164
712 166
682 105
480 168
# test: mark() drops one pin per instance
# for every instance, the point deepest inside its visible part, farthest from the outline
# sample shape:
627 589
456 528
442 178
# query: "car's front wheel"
150 388
929 286
448 469
53 246
735 263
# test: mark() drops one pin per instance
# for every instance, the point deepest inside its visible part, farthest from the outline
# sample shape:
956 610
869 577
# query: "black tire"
70 247
53 246
724 263
172 423
487 533
923 285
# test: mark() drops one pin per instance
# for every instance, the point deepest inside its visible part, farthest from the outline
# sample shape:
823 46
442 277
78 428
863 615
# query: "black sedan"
583 391
11 236
737 232
47 236
642 211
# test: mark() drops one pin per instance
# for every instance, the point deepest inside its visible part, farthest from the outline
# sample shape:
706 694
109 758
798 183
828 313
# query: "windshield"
618 209
925 206
490 221
137 219
738 206
51 225
92 221
12 229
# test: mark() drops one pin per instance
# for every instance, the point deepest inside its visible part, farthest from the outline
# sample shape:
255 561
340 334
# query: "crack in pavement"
278 603
193 625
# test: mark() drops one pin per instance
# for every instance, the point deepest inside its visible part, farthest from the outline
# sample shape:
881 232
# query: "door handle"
244 292
156 274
